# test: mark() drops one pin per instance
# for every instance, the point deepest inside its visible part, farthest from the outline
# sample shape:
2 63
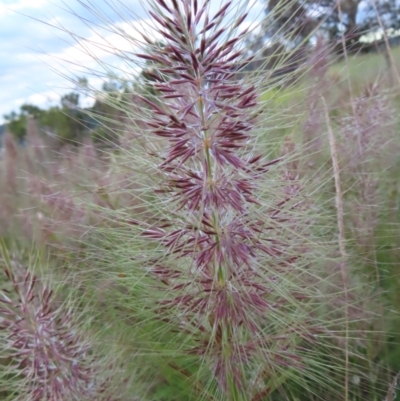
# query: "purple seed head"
43 340
222 258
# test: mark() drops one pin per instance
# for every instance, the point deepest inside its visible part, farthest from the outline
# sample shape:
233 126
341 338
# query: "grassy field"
120 284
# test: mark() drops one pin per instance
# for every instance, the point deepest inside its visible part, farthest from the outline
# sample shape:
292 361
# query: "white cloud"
98 53
20 5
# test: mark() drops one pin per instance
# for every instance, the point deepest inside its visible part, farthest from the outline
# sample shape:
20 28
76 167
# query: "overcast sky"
33 54
36 58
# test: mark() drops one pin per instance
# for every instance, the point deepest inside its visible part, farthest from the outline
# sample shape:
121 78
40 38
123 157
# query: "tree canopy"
297 20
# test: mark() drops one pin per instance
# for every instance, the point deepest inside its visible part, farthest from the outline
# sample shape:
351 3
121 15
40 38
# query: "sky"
38 56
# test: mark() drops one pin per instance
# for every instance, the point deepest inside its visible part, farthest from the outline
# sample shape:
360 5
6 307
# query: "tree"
295 21
342 22
67 122
284 37
288 20
17 122
389 16
106 115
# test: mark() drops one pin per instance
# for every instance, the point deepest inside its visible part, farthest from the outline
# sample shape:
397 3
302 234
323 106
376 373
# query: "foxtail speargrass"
217 274
46 354
227 256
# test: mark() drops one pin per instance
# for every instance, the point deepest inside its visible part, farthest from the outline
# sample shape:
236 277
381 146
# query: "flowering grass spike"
225 256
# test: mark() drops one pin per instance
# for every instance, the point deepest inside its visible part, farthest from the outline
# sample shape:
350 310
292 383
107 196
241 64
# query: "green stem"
209 169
